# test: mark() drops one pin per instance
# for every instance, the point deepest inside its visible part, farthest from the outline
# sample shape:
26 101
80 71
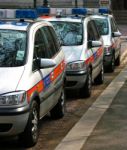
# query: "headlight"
76 66
14 98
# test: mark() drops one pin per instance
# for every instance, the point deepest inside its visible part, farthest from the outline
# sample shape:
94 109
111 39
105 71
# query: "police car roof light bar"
79 11
103 10
26 13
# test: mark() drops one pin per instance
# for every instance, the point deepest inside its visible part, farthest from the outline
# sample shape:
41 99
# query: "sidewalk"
85 136
104 125
111 131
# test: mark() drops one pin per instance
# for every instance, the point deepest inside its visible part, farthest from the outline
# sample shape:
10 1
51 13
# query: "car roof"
101 16
71 18
20 24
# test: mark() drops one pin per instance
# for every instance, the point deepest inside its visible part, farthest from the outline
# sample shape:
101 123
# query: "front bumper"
13 121
75 80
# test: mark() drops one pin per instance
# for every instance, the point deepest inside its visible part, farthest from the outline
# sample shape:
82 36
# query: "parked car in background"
83 48
111 37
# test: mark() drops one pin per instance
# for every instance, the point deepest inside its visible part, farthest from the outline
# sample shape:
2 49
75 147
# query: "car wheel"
117 62
100 78
59 110
86 90
30 135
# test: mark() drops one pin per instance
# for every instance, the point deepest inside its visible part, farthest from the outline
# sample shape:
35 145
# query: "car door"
55 53
115 39
43 75
59 70
93 35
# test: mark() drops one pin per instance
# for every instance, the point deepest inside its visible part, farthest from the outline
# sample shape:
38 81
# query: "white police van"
32 77
111 38
83 48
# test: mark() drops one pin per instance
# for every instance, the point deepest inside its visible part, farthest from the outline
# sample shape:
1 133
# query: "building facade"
115 4
119 4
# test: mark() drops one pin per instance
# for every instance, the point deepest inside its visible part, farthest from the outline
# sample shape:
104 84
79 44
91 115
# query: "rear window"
12 48
102 25
70 33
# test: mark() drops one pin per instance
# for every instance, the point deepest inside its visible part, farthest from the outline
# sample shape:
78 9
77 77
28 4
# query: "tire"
117 62
86 90
30 135
59 110
112 65
100 78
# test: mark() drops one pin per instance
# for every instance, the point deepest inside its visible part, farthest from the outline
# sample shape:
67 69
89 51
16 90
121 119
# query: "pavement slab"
111 131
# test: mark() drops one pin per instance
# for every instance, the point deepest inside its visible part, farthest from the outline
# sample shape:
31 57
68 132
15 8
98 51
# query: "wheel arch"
35 97
91 68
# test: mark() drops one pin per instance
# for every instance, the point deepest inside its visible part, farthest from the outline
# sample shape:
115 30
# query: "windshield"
103 26
70 33
12 48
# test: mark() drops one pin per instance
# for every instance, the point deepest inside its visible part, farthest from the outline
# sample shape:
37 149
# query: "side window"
39 46
90 32
113 25
95 30
93 33
39 49
55 39
50 46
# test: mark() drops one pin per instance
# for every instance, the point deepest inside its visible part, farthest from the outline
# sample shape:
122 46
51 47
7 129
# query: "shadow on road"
10 143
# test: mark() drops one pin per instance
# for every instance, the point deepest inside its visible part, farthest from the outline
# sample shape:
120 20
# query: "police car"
111 38
83 48
32 77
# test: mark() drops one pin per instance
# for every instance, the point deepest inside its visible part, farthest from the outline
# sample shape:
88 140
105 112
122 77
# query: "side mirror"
116 34
46 63
94 44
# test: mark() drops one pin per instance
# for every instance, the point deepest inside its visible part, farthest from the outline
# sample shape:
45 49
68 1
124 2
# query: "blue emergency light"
79 11
26 13
43 10
2 22
103 10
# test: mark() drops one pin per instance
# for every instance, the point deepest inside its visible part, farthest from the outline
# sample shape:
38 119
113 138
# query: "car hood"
9 78
106 40
72 53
